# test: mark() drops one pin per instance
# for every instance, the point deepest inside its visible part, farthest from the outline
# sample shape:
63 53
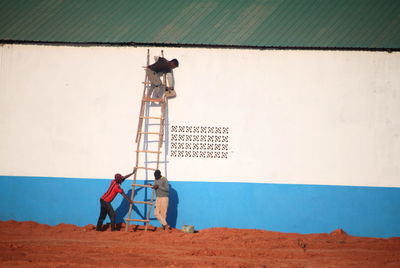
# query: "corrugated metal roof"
368 24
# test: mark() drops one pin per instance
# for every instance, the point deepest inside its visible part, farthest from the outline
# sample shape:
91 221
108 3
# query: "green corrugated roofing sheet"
368 24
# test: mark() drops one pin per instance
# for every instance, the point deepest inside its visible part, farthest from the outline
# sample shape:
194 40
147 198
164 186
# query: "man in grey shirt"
161 186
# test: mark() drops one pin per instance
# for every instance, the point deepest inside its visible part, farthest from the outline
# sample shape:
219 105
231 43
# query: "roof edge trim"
134 44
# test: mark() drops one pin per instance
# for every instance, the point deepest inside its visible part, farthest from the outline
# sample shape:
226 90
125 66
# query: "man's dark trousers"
106 209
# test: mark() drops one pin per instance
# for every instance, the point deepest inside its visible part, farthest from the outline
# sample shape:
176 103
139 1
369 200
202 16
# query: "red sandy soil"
29 244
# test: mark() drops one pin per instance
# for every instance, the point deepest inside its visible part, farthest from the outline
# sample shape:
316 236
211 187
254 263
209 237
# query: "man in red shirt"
108 197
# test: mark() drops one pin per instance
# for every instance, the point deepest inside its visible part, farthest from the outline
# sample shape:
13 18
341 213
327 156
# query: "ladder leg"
140 123
145 88
150 207
130 210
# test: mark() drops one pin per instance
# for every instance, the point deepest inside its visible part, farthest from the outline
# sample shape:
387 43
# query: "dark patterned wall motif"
199 141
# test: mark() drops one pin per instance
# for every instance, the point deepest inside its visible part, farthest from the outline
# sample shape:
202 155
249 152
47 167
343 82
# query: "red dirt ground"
29 244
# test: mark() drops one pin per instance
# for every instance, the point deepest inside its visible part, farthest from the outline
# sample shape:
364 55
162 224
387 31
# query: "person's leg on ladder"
158 92
155 81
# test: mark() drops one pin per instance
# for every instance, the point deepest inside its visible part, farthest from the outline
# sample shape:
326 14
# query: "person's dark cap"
118 178
157 174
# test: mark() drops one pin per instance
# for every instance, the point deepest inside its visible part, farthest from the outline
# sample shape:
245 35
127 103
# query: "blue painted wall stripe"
360 211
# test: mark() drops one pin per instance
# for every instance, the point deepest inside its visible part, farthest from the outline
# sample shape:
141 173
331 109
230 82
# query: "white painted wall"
309 117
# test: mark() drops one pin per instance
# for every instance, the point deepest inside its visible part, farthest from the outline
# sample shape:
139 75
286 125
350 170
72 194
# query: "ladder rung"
153 100
155 133
142 185
137 220
151 117
143 202
149 83
146 151
148 168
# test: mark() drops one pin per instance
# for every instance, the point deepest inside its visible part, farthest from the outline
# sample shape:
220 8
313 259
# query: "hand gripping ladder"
147 148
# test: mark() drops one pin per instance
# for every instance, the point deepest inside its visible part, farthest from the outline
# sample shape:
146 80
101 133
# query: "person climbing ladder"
154 73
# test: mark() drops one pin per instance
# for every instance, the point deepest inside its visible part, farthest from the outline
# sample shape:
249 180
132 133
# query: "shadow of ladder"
143 150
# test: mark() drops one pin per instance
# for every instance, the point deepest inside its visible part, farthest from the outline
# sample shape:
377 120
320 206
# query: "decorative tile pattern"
199 141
